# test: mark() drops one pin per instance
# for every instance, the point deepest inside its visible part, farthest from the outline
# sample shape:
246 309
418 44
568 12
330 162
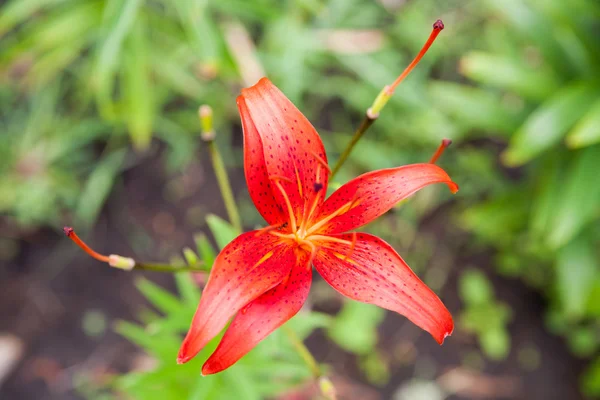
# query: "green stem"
168 267
303 351
224 186
365 124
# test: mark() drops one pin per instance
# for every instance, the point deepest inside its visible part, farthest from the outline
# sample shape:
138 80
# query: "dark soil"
46 291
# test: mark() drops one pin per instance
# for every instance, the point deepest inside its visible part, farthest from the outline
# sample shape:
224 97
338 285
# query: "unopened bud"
120 262
205 113
327 388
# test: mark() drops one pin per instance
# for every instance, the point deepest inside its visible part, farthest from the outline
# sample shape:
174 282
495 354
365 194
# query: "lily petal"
372 194
372 272
245 269
291 148
257 176
261 317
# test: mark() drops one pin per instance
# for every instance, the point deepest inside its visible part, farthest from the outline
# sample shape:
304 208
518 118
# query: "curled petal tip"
182 358
441 342
207 370
448 332
263 80
210 367
453 187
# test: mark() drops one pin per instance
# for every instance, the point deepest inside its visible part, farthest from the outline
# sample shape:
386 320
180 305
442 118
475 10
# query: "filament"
352 245
287 201
440 150
325 238
73 236
437 28
321 161
345 208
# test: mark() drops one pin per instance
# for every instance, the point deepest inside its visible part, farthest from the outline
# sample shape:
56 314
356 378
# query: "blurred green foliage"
537 78
483 315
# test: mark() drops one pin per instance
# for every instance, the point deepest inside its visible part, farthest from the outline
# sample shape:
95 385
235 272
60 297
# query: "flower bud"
205 113
120 262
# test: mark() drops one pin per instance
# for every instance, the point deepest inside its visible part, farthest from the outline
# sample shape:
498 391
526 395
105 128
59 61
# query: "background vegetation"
95 91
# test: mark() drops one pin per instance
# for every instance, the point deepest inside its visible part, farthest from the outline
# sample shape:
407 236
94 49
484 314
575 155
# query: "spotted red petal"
372 272
245 269
372 194
261 317
257 178
292 151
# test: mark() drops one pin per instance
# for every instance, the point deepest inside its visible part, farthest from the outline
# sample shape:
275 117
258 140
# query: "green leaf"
159 297
593 304
187 287
509 74
201 30
533 26
580 200
495 343
548 194
190 257
475 107
498 220
587 131
304 323
98 186
591 379
355 327
137 87
119 18
161 346
475 289
548 124
205 249
18 11
222 230
576 269
583 341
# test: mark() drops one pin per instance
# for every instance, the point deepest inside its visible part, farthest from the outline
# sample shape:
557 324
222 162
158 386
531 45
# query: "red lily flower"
263 277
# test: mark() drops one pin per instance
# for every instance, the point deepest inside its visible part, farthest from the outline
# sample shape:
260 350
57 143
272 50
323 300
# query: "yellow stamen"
351 246
343 209
298 181
284 235
344 258
312 210
313 254
280 178
305 217
263 259
287 202
325 238
269 228
321 161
